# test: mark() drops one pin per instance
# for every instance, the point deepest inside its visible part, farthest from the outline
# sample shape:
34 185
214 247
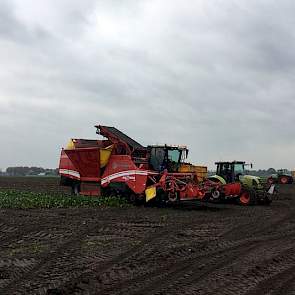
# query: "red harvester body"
120 165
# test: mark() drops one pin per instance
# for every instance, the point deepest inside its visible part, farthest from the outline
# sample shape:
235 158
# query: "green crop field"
15 199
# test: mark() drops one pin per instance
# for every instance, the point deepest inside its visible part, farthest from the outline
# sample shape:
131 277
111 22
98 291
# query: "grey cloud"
12 29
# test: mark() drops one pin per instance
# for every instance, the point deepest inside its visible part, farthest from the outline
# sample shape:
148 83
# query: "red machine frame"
128 165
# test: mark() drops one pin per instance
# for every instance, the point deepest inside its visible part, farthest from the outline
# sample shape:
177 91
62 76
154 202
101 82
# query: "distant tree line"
29 171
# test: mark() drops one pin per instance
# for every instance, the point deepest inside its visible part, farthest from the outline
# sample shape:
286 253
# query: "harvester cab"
167 157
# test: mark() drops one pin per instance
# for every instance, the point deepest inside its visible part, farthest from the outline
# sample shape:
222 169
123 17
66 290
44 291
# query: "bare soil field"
33 184
139 250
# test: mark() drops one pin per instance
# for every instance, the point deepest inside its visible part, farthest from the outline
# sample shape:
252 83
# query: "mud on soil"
189 250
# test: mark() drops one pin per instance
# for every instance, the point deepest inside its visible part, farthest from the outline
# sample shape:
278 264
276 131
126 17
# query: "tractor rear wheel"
284 179
247 197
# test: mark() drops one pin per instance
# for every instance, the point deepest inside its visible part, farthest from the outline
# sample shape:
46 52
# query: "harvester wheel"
247 197
215 196
136 199
172 197
76 189
132 198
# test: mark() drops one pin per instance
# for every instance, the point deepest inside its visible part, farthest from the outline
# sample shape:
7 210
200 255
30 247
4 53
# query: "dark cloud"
10 27
218 76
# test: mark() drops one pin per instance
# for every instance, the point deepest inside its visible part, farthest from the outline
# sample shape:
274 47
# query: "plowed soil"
138 250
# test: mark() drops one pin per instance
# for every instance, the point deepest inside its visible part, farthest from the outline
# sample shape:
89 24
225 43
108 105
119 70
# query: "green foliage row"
27 200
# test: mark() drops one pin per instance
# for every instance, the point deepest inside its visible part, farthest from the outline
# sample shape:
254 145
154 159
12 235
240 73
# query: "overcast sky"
218 76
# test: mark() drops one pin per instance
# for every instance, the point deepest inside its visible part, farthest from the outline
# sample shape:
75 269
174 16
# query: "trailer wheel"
247 197
172 197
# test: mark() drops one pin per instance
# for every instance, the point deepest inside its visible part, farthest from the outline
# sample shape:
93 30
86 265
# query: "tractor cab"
230 171
284 172
168 157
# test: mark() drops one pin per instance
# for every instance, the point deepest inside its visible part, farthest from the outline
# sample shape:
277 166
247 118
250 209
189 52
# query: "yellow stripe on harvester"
150 193
70 145
105 154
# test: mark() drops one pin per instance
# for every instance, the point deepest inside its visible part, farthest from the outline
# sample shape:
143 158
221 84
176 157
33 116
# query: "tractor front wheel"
247 197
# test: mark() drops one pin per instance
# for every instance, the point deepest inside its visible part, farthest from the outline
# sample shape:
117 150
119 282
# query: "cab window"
174 155
239 169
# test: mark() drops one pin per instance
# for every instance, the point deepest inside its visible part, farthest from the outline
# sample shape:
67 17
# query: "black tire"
172 197
247 197
216 196
76 188
136 199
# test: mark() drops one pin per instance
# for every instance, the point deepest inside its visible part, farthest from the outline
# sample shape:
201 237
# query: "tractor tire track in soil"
60 256
187 250
112 276
163 276
226 278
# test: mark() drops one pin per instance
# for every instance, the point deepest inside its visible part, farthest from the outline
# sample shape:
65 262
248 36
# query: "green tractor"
283 176
236 184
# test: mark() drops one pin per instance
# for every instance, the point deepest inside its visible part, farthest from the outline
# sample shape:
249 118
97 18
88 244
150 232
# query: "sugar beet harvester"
118 165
